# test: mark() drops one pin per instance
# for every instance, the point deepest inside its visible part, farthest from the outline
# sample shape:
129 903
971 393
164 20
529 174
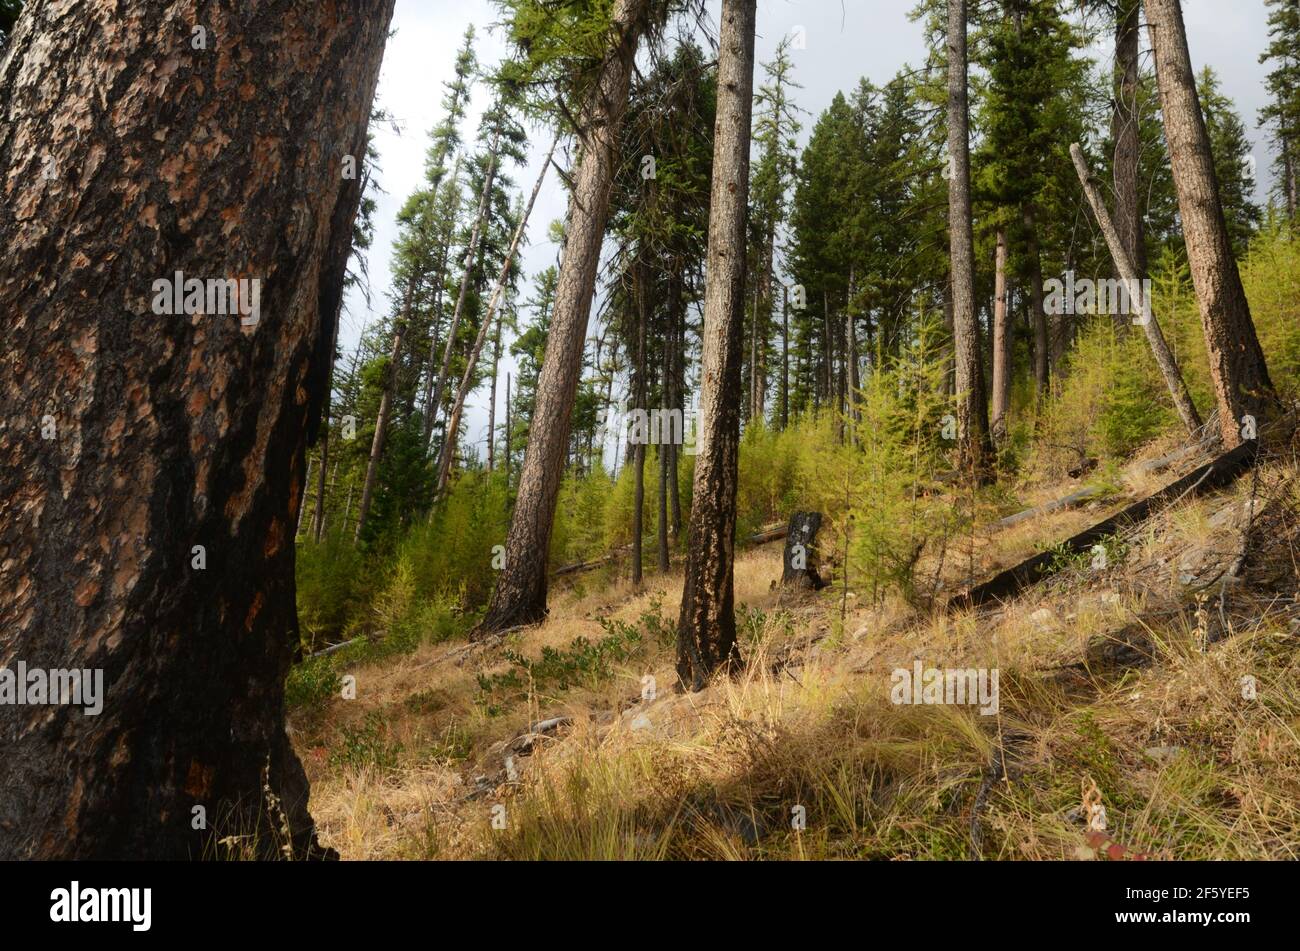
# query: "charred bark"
165 432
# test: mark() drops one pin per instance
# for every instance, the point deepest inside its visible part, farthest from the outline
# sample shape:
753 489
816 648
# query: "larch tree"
706 627
520 593
1237 366
152 462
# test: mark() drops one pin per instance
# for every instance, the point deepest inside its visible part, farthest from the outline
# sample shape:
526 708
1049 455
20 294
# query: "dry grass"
1186 766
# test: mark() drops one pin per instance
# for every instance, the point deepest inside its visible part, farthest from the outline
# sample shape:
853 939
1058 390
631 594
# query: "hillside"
1129 677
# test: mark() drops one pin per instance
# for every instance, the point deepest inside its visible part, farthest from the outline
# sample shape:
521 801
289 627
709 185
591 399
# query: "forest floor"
1147 708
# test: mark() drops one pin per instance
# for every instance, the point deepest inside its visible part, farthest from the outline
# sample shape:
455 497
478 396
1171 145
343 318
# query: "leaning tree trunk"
467 379
1237 366
520 594
151 465
1124 130
1001 341
471 255
972 410
1137 298
385 412
706 627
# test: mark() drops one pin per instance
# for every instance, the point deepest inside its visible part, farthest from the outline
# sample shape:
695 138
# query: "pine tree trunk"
706 629
1237 366
1124 265
168 431
1001 341
972 409
520 594
1124 130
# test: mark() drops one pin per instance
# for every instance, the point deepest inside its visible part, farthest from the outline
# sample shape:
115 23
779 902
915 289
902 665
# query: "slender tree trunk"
435 310
706 629
972 409
1137 298
1289 182
785 358
318 525
385 410
471 255
1237 366
509 425
151 464
677 346
1124 130
638 450
1001 342
1037 308
492 400
471 363
520 594
664 450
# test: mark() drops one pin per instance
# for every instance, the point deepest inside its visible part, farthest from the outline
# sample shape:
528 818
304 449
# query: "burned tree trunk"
799 562
1237 366
706 628
151 464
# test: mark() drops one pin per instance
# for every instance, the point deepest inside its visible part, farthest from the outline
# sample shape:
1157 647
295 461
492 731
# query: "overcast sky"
845 40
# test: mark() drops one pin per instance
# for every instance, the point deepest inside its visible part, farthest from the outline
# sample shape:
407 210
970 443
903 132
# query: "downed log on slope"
1007 584
1047 508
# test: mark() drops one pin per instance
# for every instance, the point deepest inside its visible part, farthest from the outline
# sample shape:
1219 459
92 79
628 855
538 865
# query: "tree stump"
800 557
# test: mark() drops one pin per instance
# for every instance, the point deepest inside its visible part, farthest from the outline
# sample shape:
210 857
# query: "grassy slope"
416 765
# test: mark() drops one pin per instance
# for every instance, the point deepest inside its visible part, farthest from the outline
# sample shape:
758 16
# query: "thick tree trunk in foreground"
520 594
164 432
972 410
1124 130
706 628
1001 341
1128 273
471 364
1237 366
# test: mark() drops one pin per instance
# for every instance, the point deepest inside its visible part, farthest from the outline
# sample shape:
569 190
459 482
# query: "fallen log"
1047 508
1217 474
